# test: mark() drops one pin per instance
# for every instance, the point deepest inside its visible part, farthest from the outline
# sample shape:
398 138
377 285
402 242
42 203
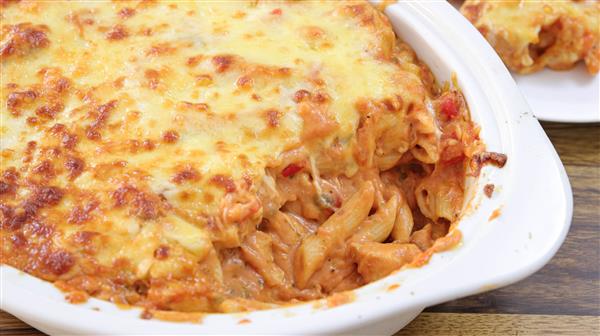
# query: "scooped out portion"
532 35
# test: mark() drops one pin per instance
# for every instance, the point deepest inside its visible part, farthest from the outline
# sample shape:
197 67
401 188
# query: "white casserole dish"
532 193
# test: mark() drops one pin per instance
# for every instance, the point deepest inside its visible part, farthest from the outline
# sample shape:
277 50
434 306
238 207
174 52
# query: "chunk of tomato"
291 170
449 107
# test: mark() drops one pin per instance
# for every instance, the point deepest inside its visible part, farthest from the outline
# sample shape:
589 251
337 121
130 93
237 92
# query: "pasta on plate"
531 35
223 156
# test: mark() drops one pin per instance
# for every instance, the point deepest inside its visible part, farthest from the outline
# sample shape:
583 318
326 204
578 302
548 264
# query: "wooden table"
561 299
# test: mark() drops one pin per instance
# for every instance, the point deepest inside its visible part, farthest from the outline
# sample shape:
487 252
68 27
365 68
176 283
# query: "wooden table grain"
563 298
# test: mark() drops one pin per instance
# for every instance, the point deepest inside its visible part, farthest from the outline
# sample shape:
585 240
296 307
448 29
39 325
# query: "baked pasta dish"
532 34
223 156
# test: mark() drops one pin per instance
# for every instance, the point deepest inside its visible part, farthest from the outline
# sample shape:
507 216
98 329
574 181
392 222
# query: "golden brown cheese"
531 35
220 156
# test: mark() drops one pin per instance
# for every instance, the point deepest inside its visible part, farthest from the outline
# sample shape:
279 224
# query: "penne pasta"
313 250
257 251
378 226
289 230
403 223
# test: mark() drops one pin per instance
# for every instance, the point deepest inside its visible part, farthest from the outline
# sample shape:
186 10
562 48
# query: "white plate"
567 96
533 196
563 96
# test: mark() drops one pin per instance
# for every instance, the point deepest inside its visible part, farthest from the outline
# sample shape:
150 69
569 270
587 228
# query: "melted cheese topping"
530 35
146 145
152 81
